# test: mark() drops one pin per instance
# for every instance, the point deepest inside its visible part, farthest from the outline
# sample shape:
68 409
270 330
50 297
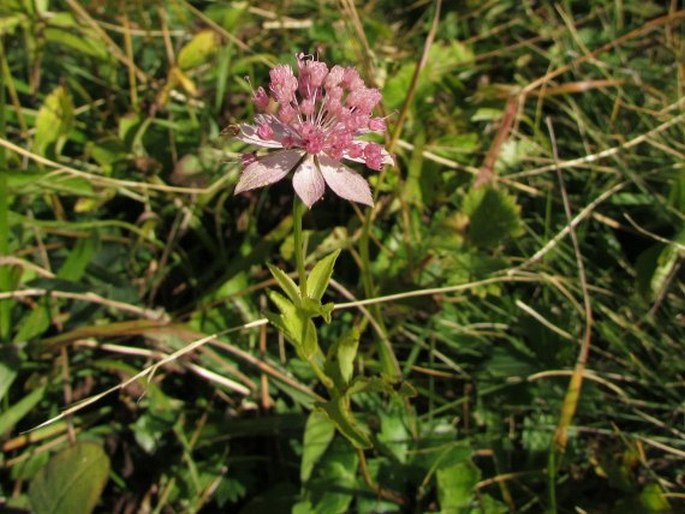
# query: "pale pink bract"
313 120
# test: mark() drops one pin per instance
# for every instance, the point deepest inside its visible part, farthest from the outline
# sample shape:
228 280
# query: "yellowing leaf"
198 50
54 122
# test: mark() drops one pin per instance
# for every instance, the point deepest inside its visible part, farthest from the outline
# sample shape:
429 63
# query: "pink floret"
314 119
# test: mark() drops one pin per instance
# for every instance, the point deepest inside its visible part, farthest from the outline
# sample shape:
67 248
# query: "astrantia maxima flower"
313 120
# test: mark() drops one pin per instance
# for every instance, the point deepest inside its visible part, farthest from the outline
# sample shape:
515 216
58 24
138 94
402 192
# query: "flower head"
314 120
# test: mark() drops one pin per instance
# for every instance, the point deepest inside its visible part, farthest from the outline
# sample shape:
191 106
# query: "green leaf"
54 122
653 499
295 326
311 308
34 322
335 482
76 43
71 482
16 412
310 341
453 146
285 306
456 487
494 216
77 261
7 376
317 281
318 433
287 284
198 50
655 266
341 356
340 414
394 434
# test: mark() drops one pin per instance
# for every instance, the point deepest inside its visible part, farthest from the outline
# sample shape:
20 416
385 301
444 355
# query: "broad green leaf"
341 356
456 487
443 59
655 266
287 284
199 49
493 214
54 122
78 259
394 434
303 507
310 341
299 330
7 376
34 322
317 281
8 23
653 499
318 434
488 505
312 308
71 482
453 146
16 412
334 483
486 114
72 41
340 414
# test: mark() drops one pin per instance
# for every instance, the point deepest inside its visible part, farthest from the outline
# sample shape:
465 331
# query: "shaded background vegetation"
121 243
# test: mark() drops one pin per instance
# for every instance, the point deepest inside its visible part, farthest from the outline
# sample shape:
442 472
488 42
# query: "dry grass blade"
641 31
570 404
105 181
144 373
151 314
420 65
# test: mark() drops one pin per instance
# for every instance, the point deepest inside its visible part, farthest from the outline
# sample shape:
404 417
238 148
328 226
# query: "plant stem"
389 364
552 481
5 278
386 494
300 250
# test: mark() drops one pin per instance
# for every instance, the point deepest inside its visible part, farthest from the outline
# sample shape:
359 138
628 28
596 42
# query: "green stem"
389 364
300 250
552 480
5 278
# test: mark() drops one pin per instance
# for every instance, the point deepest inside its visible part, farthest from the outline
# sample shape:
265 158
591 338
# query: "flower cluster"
314 119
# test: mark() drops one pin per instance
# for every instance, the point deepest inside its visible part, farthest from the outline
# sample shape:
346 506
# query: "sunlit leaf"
287 284
198 50
456 486
318 434
14 413
71 482
340 414
54 122
494 216
320 275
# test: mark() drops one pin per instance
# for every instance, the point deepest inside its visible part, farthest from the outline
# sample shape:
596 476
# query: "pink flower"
313 121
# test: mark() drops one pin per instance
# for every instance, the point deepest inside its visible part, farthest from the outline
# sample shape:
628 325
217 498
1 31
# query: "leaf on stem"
318 434
339 413
318 279
287 284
